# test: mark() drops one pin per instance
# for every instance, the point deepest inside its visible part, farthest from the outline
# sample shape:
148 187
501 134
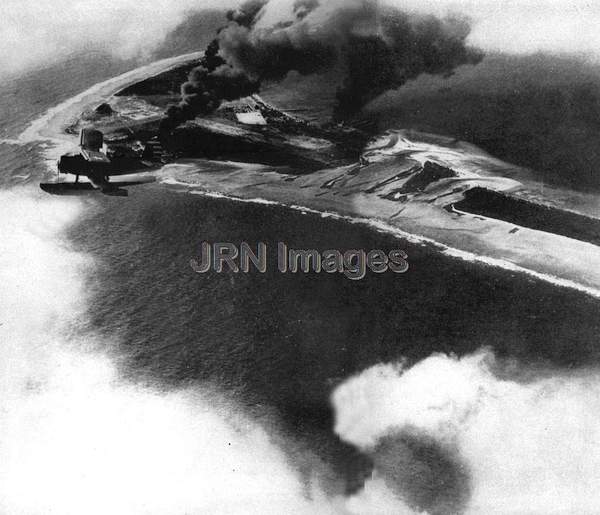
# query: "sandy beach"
363 192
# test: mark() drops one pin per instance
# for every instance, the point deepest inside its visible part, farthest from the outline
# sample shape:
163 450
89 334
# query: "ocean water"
131 384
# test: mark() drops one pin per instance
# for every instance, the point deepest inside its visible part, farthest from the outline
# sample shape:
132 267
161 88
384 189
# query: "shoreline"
391 230
362 193
51 125
566 262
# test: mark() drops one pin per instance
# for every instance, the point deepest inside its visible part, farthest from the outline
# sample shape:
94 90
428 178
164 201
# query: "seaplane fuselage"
91 162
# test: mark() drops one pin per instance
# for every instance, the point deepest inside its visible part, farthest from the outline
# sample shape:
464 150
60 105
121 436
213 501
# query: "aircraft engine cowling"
73 163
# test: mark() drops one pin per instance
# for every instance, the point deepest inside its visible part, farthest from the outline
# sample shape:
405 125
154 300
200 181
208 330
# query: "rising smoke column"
376 48
217 79
214 80
404 47
207 86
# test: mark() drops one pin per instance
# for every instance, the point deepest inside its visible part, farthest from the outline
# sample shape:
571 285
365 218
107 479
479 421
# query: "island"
430 189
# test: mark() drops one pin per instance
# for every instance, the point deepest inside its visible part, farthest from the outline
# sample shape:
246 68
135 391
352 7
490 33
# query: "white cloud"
523 26
35 31
527 446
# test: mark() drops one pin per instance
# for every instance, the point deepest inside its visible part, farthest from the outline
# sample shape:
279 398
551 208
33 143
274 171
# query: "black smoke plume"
406 47
247 15
375 48
538 111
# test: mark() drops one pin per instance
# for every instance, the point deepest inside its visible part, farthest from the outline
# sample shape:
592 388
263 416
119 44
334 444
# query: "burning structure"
375 48
370 48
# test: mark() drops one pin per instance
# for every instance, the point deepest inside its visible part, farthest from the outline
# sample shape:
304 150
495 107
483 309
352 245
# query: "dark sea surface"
279 344
282 342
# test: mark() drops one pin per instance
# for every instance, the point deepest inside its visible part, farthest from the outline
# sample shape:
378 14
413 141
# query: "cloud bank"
34 33
43 32
449 435
520 27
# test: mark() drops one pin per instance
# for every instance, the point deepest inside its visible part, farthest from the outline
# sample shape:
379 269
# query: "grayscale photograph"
331 257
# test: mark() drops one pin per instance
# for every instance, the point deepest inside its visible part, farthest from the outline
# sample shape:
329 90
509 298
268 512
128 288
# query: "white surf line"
34 131
386 228
61 142
11 141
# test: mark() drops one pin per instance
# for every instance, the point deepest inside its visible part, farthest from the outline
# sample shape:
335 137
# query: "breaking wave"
387 228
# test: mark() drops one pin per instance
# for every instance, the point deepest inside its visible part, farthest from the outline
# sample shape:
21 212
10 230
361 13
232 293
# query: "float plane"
97 166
